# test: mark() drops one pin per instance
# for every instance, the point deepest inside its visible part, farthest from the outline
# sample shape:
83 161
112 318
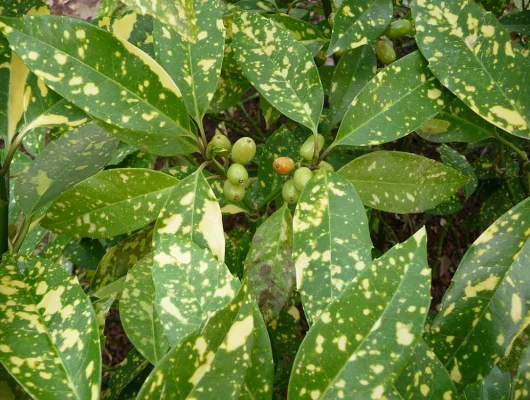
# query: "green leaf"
197 72
270 114
110 203
43 107
486 307
182 299
331 240
279 67
112 89
497 7
269 266
85 253
521 382
354 70
358 23
120 258
46 322
137 313
402 183
179 14
124 373
101 308
407 95
496 385
363 340
237 246
32 240
9 387
193 213
456 123
517 22
65 162
425 377
55 249
283 142
472 55
218 358
304 32
459 162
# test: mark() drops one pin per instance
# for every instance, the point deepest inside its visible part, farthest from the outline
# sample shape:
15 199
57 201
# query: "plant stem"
250 120
522 156
325 153
4 215
234 125
17 141
21 235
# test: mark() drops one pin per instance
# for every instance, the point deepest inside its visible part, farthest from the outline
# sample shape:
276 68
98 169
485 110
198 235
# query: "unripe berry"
385 52
219 145
283 165
243 151
233 192
237 174
307 149
301 176
398 28
289 192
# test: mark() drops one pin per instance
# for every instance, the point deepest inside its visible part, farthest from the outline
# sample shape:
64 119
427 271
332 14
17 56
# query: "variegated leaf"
269 266
496 385
279 67
472 54
456 123
354 70
193 213
399 99
119 259
521 383
43 108
153 108
124 373
216 359
363 340
425 377
331 240
138 316
304 32
32 240
54 250
137 29
65 162
198 71
270 114
400 182
110 203
179 14
357 23
46 323
101 309
183 300
487 305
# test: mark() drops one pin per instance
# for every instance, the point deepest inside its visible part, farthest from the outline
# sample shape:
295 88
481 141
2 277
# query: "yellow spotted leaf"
279 67
486 307
365 337
331 240
472 54
229 355
107 77
110 203
49 337
66 161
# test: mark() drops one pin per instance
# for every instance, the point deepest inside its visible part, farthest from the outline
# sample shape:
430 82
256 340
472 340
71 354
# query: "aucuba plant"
270 193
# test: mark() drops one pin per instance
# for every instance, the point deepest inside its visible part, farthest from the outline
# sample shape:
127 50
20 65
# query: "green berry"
331 19
327 166
237 174
289 192
219 145
301 177
307 149
385 52
233 192
243 150
399 28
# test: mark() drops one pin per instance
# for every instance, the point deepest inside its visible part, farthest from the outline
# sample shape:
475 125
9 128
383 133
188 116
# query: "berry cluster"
241 153
309 151
384 49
